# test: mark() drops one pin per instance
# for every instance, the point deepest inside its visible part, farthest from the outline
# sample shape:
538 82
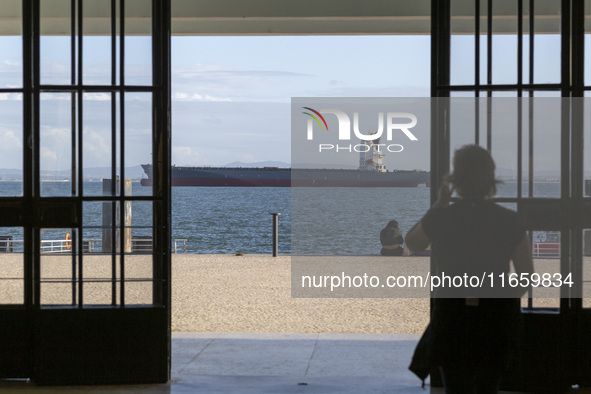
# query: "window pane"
98 228
140 226
462 56
96 142
138 60
59 267
463 115
11 45
93 227
586 268
104 226
546 147
546 254
56 144
101 274
11 144
56 55
138 48
587 146
138 291
547 46
138 136
504 41
504 144
96 53
547 58
11 62
12 272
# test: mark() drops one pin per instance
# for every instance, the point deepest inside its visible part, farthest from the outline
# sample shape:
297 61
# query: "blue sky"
242 87
231 95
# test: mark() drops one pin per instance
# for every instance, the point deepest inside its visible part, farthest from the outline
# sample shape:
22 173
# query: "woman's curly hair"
474 172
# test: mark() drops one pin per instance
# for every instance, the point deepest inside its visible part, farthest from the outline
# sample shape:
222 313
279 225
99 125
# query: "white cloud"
55 150
61 135
11 97
223 132
335 82
48 157
11 145
183 96
216 83
184 155
97 150
9 139
55 96
97 96
216 99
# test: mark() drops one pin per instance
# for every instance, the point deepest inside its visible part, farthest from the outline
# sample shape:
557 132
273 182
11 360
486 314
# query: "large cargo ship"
371 173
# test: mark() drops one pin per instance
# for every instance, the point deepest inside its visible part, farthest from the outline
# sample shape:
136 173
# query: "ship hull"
285 177
211 181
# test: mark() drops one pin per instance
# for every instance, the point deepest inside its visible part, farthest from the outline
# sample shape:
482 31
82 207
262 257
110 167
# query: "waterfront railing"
90 245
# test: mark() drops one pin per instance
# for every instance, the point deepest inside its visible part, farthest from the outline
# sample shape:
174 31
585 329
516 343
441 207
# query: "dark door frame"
79 343
555 341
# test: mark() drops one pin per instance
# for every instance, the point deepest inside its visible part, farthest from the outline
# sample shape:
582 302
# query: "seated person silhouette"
392 240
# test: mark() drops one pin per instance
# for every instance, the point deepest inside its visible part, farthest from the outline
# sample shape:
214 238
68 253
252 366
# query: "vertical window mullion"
80 142
75 168
577 145
477 71
122 144
530 123
530 192
566 91
27 35
34 114
520 48
519 95
113 138
489 74
161 137
78 235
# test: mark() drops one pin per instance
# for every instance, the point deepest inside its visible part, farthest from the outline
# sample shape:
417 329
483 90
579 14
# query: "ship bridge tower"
371 157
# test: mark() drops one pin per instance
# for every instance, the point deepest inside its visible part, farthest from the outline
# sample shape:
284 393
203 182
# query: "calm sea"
237 219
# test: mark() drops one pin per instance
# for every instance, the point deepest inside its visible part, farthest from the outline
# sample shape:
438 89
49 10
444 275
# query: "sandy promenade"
252 293
220 293
227 293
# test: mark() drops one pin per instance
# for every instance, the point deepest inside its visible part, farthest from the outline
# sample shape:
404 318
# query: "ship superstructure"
371 157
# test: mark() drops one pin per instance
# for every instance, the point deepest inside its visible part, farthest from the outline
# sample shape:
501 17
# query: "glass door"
508 76
89 104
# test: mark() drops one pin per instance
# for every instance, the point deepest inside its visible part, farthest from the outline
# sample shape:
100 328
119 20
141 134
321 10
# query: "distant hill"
135 172
92 173
326 166
511 174
10 174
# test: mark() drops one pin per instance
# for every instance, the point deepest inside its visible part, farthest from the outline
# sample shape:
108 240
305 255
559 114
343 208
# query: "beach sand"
227 293
252 293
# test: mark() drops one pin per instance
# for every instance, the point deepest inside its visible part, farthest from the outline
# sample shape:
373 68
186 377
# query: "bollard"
275 232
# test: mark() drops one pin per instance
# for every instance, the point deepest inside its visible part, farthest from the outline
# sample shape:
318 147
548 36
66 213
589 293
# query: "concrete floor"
276 363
